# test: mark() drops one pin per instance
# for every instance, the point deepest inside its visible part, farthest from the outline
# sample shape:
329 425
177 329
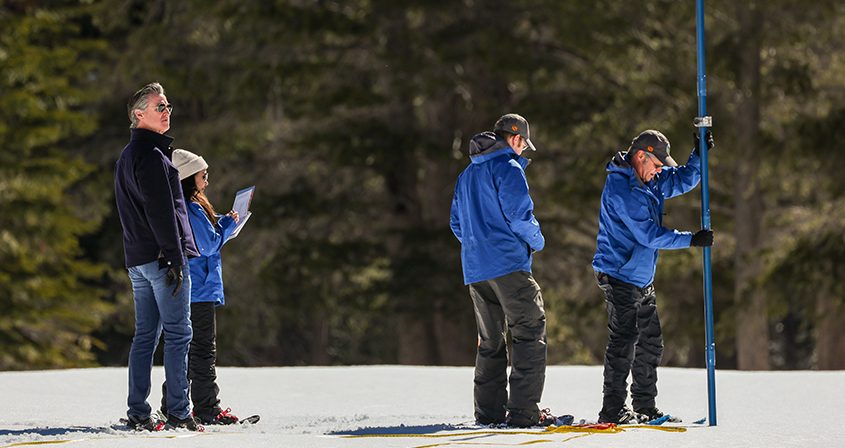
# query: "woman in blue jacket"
210 233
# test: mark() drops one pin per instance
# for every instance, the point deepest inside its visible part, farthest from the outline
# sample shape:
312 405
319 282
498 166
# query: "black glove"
174 276
702 238
708 137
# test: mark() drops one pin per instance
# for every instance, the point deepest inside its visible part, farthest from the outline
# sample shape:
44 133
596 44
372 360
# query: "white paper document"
242 200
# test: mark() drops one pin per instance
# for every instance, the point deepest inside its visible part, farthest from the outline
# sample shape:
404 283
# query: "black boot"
188 423
221 417
625 417
522 418
653 413
145 424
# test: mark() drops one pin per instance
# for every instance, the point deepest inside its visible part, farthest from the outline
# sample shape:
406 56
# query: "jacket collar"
506 151
621 164
161 141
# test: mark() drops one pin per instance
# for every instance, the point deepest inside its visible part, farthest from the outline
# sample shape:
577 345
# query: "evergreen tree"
352 118
48 293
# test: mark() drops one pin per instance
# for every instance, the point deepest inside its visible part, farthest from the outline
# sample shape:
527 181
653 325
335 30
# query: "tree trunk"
399 169
320 340
752 324
416 343
830 331
455 345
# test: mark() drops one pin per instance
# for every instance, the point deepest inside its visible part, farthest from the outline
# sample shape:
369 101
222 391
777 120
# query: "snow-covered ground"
312 406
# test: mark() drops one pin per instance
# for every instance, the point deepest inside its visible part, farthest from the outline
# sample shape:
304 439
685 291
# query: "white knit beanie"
187 163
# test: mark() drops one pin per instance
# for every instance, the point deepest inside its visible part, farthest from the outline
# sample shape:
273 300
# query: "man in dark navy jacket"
493 218
157 241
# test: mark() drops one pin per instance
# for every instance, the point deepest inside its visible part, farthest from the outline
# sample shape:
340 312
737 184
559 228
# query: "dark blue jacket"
631 219
492 212
150 203
207 269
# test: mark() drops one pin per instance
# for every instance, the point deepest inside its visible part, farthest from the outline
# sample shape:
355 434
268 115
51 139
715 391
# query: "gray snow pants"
513 300
635 345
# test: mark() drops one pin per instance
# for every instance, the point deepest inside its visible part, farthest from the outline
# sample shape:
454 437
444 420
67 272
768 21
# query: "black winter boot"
188 423
522 418
144 424
223 417
625 417
653 413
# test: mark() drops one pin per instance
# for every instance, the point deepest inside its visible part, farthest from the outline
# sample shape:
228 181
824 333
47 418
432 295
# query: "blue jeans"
156 308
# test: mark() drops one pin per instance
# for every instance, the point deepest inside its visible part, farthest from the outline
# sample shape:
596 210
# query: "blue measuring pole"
703 122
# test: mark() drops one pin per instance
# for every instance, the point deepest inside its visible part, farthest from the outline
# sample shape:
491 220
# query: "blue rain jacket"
492 212
207 269
631 219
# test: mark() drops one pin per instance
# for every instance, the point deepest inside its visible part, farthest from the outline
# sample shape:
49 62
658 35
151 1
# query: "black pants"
513 299
635 345
202 358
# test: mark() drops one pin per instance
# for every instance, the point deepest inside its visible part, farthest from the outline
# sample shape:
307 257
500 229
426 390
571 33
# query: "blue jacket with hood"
631 219
492 212
207 269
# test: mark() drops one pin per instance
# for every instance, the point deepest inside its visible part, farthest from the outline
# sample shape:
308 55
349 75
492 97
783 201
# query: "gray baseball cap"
654 143
516 125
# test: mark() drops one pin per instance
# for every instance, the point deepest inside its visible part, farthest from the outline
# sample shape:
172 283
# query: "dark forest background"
352 119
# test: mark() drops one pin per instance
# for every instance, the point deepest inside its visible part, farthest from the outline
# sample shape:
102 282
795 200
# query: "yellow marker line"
44 442
532 442
549 430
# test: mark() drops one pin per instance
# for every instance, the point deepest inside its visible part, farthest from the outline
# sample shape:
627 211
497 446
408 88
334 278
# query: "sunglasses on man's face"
654 160
161 106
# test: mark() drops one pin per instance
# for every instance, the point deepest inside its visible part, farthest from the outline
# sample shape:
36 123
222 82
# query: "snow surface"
312 406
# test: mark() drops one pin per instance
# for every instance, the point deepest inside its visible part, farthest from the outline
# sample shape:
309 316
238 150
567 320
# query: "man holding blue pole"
631 232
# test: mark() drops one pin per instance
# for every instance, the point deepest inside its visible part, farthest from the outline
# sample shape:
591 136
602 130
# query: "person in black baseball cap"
630 235
654 143
514 124
493 218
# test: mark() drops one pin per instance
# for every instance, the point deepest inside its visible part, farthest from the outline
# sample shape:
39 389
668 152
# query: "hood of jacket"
620 164
486 142
487 145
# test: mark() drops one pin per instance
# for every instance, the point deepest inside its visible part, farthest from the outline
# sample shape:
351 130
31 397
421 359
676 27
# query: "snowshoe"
652 415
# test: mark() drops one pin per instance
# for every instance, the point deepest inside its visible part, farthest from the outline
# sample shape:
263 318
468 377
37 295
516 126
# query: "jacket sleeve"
518 207
632 209
454 219
208 238
159 208
677 181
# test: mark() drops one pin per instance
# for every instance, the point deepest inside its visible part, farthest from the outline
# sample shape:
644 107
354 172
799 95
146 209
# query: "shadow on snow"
402 429
58 431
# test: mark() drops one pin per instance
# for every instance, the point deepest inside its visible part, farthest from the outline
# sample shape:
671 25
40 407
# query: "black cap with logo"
516 125
655 143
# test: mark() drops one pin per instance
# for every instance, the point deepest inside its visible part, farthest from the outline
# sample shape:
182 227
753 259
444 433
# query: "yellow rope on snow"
531 442
42 442
548 430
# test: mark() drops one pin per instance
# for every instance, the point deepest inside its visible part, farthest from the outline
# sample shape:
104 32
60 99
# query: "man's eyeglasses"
654 160
161 106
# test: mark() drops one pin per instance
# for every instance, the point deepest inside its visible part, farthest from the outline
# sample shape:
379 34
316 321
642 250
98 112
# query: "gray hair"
140 100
